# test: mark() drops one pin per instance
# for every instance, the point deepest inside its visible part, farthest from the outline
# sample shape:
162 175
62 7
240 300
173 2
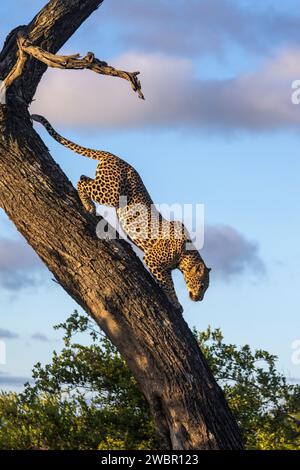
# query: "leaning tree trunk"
104 276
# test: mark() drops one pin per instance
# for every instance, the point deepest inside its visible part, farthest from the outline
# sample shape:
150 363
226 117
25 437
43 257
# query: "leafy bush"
88 399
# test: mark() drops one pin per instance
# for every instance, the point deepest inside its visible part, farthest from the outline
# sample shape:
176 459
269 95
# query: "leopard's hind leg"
84 187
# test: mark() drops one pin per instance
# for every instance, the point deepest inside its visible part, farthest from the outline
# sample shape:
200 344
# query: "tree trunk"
105 277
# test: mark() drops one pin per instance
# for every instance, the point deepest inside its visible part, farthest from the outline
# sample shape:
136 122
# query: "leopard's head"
197 281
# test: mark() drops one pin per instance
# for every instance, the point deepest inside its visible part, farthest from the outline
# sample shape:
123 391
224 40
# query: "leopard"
166 245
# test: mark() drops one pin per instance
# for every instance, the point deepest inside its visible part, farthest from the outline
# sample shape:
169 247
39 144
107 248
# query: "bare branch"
70 62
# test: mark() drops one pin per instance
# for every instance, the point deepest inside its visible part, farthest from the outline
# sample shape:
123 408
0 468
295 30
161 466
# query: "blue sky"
218 127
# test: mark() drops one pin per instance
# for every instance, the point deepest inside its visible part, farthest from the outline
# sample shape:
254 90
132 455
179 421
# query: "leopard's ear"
209 269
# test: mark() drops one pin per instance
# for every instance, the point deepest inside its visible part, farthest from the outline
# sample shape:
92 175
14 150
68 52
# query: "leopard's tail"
86 152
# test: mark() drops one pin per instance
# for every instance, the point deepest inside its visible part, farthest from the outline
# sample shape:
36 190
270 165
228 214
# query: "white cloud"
229 253
40 337
15 380
197 27
19 265
8 334
17 254
175 97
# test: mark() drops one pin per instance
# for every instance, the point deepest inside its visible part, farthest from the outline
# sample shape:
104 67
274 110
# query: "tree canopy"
87 398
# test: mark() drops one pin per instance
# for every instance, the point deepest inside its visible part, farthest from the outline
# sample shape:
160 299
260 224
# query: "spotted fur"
164 243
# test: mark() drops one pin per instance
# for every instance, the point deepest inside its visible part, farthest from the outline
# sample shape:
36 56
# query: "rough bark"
104 277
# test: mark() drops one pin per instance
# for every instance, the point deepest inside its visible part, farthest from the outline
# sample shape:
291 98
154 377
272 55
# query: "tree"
87 397
266 407
105 278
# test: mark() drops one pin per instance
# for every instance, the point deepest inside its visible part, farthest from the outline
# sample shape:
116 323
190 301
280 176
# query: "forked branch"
90 62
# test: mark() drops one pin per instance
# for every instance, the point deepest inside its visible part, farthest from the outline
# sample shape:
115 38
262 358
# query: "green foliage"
264 404
87 398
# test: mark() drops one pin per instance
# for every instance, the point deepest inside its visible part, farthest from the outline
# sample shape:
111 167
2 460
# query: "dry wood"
66 62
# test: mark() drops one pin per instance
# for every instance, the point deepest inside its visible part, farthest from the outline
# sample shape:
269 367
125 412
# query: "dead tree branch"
74 61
